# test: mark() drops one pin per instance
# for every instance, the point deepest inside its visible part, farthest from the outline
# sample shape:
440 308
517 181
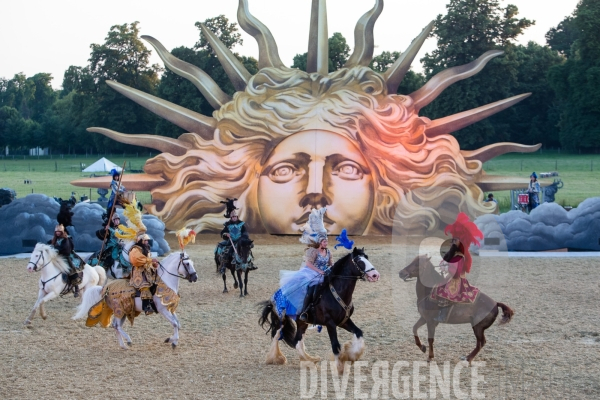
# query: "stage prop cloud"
32 219
548 227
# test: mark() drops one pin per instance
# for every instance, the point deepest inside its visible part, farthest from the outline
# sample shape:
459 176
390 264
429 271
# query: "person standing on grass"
534 191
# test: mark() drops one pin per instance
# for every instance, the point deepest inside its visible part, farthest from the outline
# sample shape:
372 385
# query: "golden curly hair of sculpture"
409 169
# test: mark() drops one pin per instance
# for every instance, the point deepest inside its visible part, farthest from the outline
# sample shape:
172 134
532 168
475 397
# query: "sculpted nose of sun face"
315 200
315 196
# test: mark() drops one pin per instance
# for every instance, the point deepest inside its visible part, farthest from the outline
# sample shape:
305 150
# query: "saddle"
70 282
119 299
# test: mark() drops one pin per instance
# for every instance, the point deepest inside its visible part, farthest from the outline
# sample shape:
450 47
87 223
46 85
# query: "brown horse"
481 314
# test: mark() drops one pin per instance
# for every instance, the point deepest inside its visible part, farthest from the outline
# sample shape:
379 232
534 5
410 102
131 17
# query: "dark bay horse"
238 261
481 314
328 311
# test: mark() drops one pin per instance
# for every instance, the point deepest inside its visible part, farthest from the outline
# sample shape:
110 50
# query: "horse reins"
361 277
182 258
347 308
35 268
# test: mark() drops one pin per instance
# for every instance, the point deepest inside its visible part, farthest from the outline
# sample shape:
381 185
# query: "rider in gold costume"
143 274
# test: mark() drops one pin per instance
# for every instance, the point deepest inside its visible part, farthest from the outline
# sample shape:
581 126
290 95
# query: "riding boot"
443 314
308 300
74 281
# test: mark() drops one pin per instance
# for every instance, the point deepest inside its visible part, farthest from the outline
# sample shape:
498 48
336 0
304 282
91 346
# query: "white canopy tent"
102 165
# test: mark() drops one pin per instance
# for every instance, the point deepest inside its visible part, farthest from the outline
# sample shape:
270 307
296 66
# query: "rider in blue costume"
113 247
233 231
115 188
297 288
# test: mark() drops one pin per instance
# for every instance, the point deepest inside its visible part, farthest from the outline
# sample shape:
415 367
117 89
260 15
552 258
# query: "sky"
51 35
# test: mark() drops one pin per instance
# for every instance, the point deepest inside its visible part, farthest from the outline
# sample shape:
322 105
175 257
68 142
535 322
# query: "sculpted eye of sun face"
284 172
348 170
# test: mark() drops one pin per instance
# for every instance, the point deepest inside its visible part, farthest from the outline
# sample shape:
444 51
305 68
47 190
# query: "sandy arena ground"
551 349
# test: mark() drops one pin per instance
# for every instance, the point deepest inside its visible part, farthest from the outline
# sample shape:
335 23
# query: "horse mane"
428 267
53 255
342 261
172 255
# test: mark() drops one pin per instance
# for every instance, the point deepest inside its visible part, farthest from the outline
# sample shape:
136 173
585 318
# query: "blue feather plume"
344 241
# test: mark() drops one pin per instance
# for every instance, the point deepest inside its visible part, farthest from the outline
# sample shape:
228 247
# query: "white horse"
46 260
174 267
116 270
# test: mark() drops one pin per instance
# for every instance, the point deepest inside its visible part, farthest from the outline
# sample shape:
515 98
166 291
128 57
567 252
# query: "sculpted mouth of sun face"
315 169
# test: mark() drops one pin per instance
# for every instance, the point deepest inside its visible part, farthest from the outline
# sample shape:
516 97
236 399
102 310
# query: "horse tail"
102 274
90 297
266 312
269 316
507 313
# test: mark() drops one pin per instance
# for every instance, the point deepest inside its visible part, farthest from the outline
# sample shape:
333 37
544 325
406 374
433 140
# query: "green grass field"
580 174
52 176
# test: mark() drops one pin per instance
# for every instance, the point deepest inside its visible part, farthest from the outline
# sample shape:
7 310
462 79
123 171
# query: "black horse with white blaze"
333 308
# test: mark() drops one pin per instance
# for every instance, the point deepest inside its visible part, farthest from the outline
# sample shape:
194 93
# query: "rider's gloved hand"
327 272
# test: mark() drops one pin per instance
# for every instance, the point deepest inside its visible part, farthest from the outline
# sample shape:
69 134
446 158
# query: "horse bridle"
35 268
182 258
362 273
35 264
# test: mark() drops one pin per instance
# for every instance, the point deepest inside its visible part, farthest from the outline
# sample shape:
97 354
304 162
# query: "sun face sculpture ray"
290 140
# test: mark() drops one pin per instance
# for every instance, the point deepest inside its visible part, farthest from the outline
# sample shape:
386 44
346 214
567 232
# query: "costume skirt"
292 290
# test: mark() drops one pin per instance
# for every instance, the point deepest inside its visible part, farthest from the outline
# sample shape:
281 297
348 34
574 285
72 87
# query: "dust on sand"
551 348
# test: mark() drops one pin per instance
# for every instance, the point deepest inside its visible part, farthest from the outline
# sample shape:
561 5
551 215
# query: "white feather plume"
314 227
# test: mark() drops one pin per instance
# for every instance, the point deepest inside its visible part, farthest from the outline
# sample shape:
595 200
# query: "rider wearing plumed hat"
143 273
233 230
297 288
63 243
457 263
115 188
113 247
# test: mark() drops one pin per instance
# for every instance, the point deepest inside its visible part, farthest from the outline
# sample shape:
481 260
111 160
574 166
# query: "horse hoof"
225 291
129 344
167 340
235 285
44 317
173 345
424 348
241 295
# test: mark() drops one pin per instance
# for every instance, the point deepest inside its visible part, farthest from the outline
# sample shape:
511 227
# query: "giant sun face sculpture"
290 140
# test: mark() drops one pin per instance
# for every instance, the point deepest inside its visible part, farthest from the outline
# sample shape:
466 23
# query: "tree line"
563 110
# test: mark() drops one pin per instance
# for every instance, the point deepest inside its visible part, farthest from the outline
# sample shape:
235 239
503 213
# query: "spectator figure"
534 191
491 198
